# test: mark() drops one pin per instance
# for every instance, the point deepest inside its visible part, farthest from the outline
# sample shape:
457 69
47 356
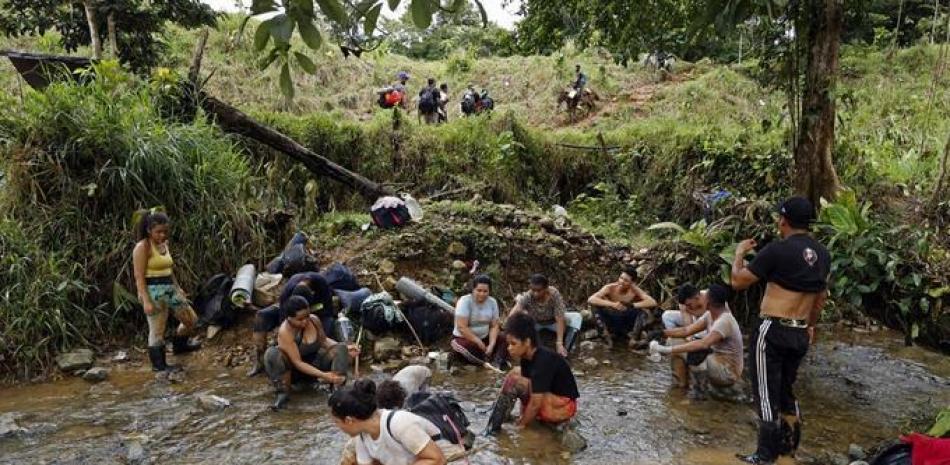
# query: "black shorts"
267 319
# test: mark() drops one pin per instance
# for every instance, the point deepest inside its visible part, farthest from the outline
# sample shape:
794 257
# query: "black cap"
799 212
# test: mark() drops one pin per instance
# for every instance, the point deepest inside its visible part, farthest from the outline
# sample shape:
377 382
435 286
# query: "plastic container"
344 328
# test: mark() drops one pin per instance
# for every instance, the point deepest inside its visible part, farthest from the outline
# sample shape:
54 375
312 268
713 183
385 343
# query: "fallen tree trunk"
233 120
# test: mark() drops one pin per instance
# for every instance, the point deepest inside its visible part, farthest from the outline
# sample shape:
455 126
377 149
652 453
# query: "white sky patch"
502 16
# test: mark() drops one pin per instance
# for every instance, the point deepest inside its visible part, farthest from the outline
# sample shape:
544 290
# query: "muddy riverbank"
855 388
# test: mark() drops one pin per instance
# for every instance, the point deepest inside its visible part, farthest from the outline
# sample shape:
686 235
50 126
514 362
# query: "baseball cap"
799 211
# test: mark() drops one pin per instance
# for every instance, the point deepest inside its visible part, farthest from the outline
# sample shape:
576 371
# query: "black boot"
500 412
282 395
770 444
258 363
156 354
181 345
570 334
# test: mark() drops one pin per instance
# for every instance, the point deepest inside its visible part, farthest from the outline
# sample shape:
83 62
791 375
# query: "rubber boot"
257 362
680 372
500 412
791 434
156 354
570 334
699 387
281 395
181 345
770 443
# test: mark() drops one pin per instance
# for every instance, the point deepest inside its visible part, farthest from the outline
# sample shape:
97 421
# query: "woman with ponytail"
385 437
158 290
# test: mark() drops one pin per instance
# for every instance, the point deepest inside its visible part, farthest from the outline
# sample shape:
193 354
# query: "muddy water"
853 388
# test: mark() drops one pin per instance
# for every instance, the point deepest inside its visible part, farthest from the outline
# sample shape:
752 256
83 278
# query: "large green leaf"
286 84
281 28
369 23
421 13
667 225
305 62
261 36
309 33
333 9
305 6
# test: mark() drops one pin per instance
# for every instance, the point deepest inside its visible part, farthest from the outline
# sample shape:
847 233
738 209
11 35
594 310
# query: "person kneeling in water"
544 383
304 351
384 437
716 358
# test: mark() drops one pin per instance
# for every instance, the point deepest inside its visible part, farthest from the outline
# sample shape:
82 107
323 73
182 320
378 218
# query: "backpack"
386 217
378 313
427 100
430 321
213 302
339 277
297 259
898 453
444 411
468 104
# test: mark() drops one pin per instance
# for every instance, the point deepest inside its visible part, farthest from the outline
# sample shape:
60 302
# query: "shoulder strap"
389 420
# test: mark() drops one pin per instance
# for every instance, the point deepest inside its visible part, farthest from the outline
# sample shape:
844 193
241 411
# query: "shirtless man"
620 304
797 270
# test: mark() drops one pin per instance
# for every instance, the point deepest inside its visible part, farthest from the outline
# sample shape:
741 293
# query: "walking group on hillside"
401 422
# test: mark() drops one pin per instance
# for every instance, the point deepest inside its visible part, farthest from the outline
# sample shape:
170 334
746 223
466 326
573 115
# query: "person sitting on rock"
304 352
383 436
619 305
544 303
477 336
715 359
692 306
544 383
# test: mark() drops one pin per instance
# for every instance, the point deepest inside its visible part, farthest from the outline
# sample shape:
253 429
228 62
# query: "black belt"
159 280
791 323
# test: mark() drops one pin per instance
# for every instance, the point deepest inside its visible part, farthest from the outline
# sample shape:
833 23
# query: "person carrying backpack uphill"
429 98
388 437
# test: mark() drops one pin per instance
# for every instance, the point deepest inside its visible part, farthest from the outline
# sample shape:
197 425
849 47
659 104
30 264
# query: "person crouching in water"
158 290
692 306
304 352
385 437
715 359
477 336
621 305
543 383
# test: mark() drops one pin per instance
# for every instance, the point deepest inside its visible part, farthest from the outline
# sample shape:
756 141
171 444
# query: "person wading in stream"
693 305
620 305
544 383
477 336
716 358
797 270
304 352
158 290
544 303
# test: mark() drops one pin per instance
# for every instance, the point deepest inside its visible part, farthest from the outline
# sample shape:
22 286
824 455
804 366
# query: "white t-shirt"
413 433
479 316
730 347
413 378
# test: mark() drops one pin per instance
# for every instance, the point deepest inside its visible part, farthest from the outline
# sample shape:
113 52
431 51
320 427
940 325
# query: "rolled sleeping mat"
414 291
350 301
243 287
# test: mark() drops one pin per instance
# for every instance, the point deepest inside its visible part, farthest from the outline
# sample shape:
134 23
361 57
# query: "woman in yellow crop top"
158 290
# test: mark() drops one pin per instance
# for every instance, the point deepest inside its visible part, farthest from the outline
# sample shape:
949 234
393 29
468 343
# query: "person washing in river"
304 352
545 305
797 269
544 383
158 290
692 306
477 336
620 305
716 358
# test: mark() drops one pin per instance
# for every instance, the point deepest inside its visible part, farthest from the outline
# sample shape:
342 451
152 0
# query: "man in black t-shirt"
544 383
796 269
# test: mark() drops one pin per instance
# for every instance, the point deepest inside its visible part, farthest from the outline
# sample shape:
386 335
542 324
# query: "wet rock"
387 267
135 452
389 284
591 361
386 348
573 441
121 356
80 359
590 334
839 459
856 452
213 402
587 345
459 265
95 375
858 462
457 249
9 426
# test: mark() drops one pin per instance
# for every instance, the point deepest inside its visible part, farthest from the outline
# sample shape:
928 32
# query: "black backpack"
339 277
297 259
390 217
213 302
444 411
427 100
431 323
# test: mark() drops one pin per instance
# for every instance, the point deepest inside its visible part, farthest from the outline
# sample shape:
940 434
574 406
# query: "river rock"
387 267
135 453
389 284
386 348
457 249
96 374
80 359
9 426
587 345
121 356
591 361
858 462
856 452
573 441
213 402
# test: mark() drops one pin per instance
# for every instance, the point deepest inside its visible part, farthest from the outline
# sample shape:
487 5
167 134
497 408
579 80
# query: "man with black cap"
796 269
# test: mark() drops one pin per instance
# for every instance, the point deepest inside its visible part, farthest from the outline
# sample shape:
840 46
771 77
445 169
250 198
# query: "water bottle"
344 328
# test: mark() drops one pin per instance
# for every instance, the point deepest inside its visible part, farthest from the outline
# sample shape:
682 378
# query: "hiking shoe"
754 459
